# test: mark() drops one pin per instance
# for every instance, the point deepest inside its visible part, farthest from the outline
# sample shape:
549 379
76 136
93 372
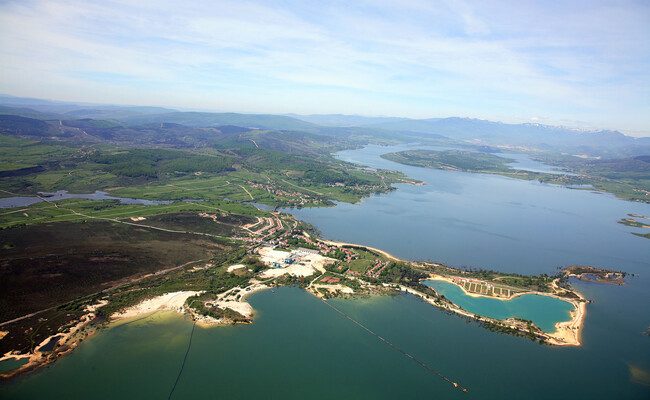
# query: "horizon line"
588 129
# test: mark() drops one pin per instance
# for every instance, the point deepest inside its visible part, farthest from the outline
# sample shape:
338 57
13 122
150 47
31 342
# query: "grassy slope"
220 179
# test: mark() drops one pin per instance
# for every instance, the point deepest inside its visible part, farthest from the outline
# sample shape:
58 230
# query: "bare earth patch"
169 301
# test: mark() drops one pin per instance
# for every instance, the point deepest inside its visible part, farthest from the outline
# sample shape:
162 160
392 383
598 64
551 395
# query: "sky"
579 64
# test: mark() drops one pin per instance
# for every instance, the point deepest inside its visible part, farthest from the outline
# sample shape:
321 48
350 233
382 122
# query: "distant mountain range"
342 120
534 137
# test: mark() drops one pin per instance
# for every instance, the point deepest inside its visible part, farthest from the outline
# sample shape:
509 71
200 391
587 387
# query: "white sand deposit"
305 263
168 301
335 288
236 266
241 307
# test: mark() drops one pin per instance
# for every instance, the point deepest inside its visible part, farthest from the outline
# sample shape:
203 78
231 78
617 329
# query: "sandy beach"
173 301
376 250
234 299
70 338
334 288
567 333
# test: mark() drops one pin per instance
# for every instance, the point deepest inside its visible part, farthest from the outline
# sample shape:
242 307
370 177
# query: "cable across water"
421 363
187 352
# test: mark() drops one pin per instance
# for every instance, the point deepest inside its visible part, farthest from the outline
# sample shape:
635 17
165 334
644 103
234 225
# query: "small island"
588 273
633 221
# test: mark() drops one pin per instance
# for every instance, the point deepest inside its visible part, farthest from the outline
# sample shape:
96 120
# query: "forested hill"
357 129
174 135
536 137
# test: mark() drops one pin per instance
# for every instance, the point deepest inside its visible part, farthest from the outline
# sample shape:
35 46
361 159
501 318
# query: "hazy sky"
579 64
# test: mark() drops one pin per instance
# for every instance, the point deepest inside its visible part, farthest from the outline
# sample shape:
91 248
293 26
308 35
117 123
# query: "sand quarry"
305 262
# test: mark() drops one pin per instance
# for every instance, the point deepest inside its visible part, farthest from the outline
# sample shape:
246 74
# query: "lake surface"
510 225
520 161
24 201
486 221
524 162
544 311
299 348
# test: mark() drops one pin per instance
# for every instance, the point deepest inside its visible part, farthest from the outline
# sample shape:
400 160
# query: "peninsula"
626 178
280 251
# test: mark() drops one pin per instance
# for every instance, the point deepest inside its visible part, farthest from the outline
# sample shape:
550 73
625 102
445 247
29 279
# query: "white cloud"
414 58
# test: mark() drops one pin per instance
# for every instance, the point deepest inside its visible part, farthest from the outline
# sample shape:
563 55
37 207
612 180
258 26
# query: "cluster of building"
377 268
295 256
264 227
482 287
297 198
328 249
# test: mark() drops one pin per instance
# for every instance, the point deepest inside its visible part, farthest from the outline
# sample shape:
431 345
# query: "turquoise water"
544 311
298 348
509 225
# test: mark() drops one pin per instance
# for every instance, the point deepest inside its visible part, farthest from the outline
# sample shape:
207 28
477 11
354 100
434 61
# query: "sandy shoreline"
360 246
68 340
173 301
228 299
567 333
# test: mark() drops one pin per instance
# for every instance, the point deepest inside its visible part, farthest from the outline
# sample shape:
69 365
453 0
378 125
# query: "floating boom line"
419 362
187 352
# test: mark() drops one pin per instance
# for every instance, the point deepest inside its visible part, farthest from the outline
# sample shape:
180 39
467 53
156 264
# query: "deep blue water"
524 162
299 348
488 221
510 225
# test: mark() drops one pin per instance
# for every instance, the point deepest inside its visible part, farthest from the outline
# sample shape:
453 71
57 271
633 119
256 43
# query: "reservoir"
485 221
299 348
544 311
24 201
